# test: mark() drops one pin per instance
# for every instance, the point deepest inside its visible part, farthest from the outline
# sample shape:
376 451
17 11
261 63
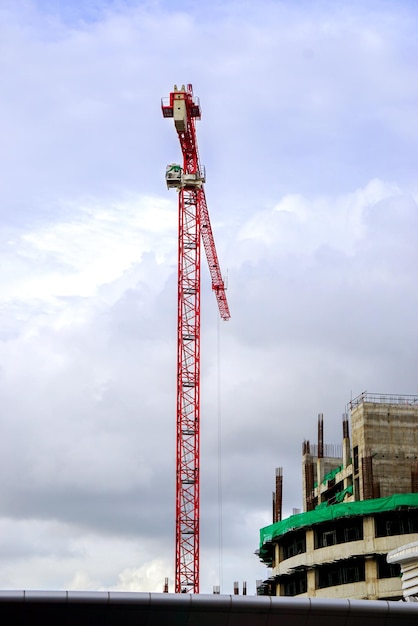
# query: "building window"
387 570
353 533
396 523
295 584
293 544
329 538
355 459
338 532
342 573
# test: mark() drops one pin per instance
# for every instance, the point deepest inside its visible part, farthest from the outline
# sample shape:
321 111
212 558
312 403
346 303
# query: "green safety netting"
331 512
340 495
330 475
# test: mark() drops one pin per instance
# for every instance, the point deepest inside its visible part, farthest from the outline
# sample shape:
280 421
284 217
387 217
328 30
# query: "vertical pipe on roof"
346 441
278 496
308 476
320 462
320 435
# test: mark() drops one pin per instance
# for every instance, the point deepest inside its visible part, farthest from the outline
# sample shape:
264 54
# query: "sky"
308 134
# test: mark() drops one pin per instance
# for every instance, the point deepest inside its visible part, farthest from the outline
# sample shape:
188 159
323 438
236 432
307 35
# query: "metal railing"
382 398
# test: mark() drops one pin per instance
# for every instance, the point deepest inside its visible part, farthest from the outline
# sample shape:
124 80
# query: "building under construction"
360 501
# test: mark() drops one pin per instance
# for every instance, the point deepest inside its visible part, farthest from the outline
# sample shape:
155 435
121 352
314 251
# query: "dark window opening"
355 459
387 570
293 544
342 573
296 584
401 522
339 532
333 490
329 538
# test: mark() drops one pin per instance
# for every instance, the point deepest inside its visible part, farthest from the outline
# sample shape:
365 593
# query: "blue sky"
308 135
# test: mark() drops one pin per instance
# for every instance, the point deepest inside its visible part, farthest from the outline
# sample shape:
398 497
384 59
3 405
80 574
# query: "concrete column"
279 589
346 452
276 555
371 577
369 534
310 541
311 582
370 560
311 578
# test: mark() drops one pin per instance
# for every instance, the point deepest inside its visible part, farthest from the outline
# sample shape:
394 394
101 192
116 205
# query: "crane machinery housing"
194 227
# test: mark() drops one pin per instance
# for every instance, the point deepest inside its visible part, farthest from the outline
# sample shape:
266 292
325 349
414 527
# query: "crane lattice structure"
194 227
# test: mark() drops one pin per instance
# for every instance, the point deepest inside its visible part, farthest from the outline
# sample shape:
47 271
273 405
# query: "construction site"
360 497
360 502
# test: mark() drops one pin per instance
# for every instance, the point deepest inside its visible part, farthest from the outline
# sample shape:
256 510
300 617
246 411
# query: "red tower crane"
194 227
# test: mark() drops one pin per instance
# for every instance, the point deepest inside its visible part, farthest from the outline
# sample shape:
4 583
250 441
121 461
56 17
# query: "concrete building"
360 501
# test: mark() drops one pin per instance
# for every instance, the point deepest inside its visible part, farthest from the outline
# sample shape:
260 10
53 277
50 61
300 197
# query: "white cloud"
93 247
301 225
148 577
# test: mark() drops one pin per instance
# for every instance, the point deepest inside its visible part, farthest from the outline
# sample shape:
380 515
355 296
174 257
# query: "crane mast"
194 227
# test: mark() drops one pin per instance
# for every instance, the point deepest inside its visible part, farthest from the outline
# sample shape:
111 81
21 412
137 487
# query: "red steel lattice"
194 227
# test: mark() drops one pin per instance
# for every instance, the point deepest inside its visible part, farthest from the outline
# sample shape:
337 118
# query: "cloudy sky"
309 137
